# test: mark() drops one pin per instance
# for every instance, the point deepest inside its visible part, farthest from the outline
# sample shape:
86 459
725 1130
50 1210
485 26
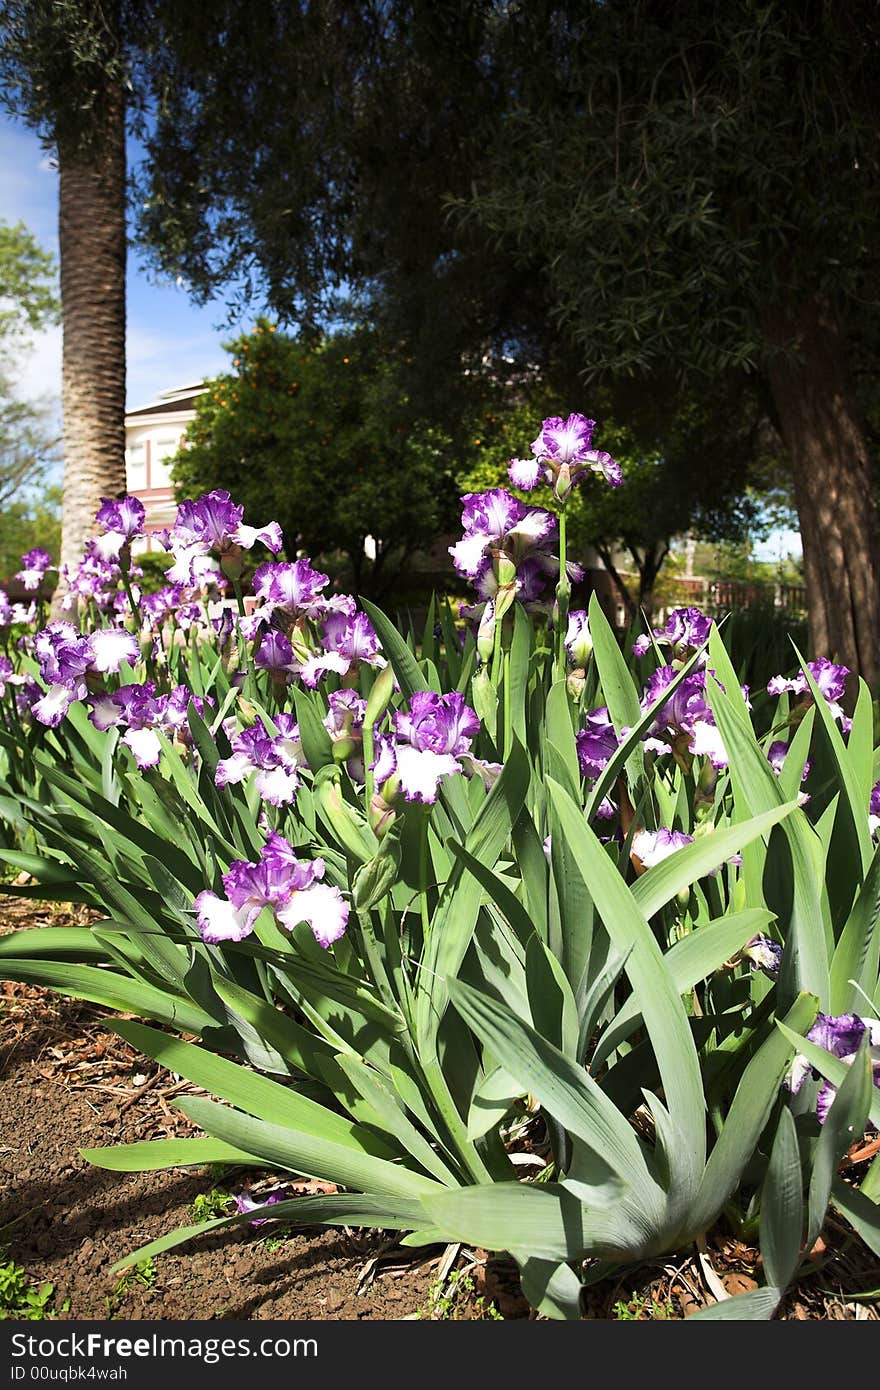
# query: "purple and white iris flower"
497 524
428 742
651 847
111 646
776 756
291 887
345 724
874 809
763 953
93 580
563 454
578 641
348 638
291 590
507 550
120 521
841 1035
244 1203
830 679
685 716
144 715
66 658
685 628
34 566
274 759
212 525
597 742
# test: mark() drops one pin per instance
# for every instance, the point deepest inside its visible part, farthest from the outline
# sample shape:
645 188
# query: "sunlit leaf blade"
844 1124
333 1210
782 1205
747 1116
152 1155
307 1153
656 995
758 1305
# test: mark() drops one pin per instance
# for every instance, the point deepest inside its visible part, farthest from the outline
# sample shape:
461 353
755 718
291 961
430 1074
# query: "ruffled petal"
322 906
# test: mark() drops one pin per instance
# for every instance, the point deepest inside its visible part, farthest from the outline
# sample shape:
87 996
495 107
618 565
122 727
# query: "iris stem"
563 594
239 597
368 773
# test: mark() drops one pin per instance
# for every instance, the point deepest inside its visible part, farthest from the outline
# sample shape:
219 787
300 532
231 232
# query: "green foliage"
29 523
27 285
205 1206
319 436
731 165
642 1308
28 443
143 1275
59 63
455 1298
19 1298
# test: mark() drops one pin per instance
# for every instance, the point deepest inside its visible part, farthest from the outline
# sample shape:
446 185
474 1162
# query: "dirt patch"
66 1083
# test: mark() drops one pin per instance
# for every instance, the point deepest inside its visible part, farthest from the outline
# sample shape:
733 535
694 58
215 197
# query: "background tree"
64 69
320 436
692 465
28 440
630 183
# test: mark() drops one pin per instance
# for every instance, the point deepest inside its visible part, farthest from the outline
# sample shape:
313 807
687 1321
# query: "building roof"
181 398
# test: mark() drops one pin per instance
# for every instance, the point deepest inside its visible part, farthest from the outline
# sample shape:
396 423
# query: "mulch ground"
67 1083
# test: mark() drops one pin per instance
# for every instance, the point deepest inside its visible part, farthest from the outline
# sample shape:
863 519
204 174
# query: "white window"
164 449
137 465
167 446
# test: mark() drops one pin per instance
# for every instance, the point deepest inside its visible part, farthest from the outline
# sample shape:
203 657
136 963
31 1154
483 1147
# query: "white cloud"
36 373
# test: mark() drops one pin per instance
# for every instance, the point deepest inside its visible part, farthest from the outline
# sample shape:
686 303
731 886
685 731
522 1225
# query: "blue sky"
170 341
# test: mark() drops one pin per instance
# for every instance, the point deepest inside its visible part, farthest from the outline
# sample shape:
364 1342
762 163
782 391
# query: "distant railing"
728 595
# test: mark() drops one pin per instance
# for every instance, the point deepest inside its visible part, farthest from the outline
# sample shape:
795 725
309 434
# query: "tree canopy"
629 185
28 442
320 436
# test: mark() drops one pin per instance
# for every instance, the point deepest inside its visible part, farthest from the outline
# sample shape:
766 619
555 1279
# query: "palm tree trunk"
92 247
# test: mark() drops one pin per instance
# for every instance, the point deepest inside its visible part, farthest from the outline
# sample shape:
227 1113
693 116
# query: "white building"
153 434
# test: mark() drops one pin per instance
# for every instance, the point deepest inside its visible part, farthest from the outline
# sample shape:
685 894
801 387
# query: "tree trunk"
92 249
833 484
629 603
649 565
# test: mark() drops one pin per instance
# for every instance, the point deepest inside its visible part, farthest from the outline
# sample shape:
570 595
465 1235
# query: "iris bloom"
841 1035
830 679
685 715
578 642
294 589
291 887
563 454
429 740
349 639
496 523
684 628
120 522
273 758
143 715
764 954
33 568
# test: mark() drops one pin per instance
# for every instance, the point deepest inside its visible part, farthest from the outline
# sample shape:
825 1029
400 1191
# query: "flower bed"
511 939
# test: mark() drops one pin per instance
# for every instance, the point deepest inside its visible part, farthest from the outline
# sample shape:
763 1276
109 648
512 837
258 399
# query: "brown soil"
66 1083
